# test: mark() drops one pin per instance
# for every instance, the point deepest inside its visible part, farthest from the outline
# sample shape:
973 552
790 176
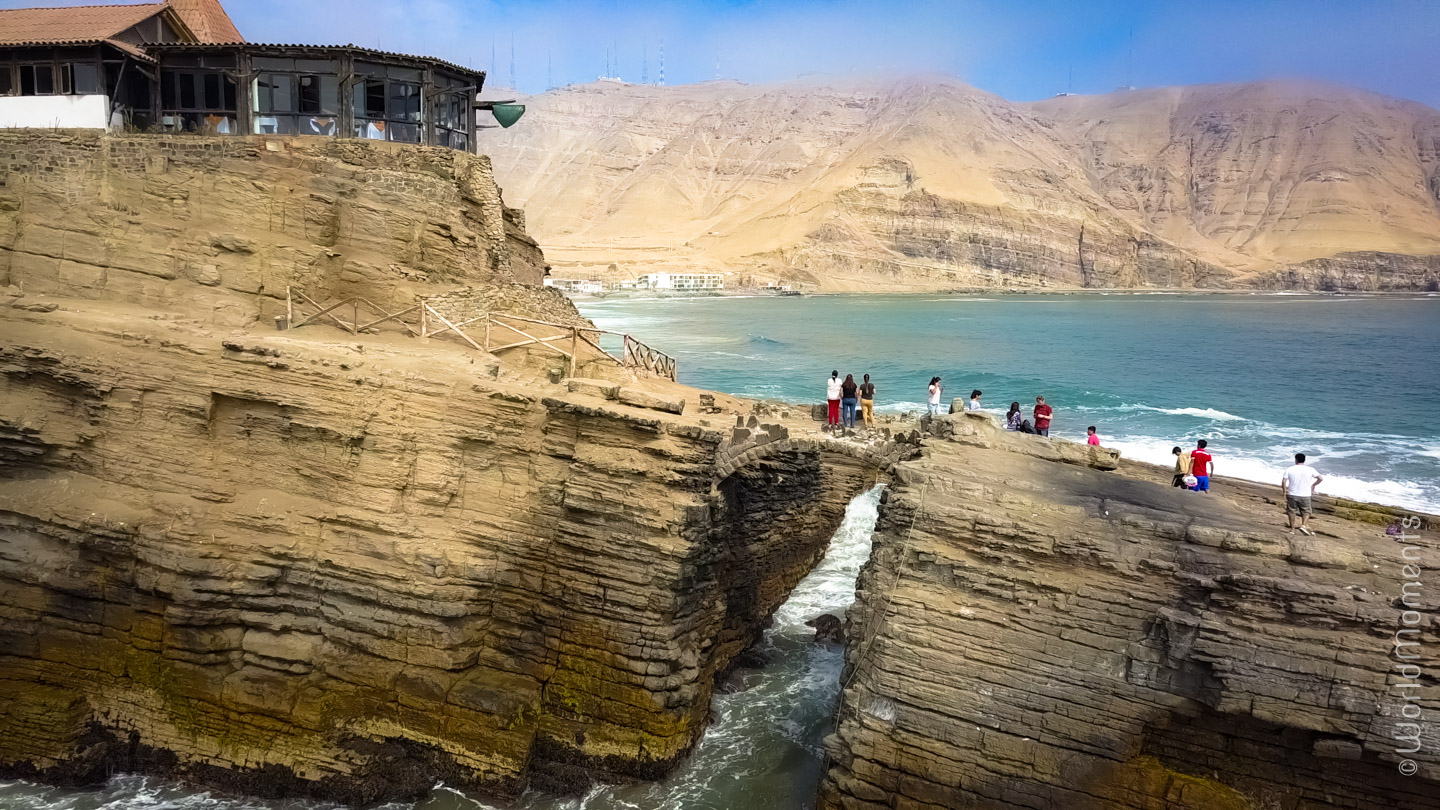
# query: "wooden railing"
639 355
334 313
502 332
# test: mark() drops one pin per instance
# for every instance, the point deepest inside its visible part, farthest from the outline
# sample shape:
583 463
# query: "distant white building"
575 286
681 282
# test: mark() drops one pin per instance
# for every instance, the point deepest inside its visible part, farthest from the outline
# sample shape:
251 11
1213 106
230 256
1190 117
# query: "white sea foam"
1406 494
1204 413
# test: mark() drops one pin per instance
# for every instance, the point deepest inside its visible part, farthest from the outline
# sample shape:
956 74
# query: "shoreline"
968 293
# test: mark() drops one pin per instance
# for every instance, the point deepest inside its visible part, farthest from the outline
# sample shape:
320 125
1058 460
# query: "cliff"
927 183
220 225
1033 632
350 564
306 563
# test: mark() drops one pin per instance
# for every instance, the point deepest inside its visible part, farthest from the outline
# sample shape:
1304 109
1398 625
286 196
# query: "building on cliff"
182 66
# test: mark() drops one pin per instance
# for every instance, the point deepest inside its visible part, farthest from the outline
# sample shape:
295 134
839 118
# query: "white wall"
50 112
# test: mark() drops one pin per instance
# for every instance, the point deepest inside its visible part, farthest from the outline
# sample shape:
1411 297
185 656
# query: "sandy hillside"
926 183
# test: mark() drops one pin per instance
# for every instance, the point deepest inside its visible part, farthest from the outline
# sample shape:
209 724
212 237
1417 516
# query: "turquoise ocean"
1351 381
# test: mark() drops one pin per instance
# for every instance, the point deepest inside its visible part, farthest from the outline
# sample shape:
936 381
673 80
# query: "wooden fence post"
289 308
574 351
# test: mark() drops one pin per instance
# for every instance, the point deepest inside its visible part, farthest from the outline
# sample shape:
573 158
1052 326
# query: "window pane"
187 90
87 78
212 91
405 133
5 86
404 101
274 125
375 99
319 125
44 80
167 89
27 80
63 79
229 85
307 93
277 95
329 95
374 130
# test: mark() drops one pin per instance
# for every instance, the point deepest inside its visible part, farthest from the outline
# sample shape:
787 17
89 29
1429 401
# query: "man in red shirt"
1202 465
1042 416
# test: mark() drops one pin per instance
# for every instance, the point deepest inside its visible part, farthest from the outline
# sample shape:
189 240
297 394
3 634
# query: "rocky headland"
342 564
350 563
1033 632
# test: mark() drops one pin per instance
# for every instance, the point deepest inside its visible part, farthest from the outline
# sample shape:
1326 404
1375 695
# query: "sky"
1019 49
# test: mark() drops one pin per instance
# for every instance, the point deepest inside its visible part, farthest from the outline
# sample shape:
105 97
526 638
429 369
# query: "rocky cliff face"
1031 632
221 225
307 563
311 562
929 184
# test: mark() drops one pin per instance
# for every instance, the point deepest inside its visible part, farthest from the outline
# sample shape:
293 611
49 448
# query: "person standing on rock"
848 398
1182 467
1202 466
936 390
867 402
832 399
1042 414
1298 485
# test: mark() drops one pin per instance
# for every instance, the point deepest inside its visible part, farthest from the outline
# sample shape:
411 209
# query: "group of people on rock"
844 396
1193 468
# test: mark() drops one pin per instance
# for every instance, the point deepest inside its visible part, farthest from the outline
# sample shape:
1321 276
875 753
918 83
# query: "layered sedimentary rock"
926 183
321 562
307 563
221 225
1033 632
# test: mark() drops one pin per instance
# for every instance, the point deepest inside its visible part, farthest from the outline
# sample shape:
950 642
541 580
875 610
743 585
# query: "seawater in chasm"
762 751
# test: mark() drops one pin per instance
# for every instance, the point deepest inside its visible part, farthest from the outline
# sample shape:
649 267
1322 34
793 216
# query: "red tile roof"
75 24
207 20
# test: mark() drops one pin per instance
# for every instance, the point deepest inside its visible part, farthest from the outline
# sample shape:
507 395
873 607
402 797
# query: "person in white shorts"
1298 485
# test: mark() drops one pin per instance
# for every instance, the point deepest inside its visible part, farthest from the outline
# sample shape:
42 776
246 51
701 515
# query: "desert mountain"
927 183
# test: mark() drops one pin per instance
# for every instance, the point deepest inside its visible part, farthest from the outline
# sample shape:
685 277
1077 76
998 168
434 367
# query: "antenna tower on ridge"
549 71
662 63
513 85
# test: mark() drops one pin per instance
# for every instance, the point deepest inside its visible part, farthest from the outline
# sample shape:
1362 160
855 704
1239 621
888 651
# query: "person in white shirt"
1298 485
974 400
832 398
936 390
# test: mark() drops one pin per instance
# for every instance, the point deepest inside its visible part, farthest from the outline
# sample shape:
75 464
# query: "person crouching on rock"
1014 417
1182 467
867 402
832 399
